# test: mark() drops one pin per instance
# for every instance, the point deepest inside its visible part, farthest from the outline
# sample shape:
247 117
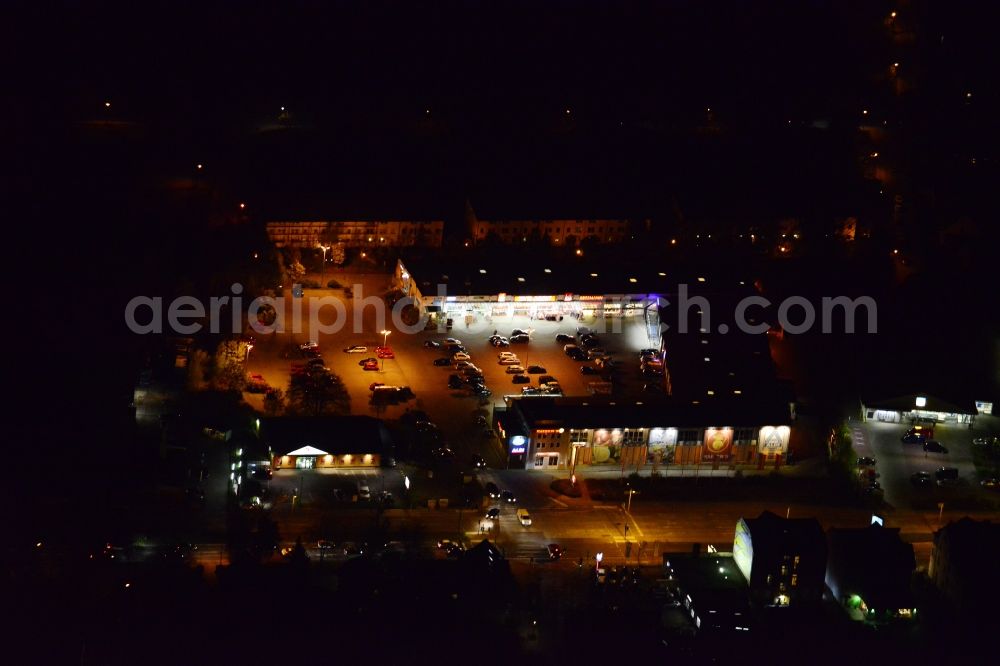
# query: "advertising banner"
718 443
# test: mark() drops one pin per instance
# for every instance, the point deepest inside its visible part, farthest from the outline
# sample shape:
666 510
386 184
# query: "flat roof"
661 411
712 579
906 403
518 270
328 434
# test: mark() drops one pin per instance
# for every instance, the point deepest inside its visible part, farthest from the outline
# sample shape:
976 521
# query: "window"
795 580
539 461
796 561
784 569
687 437
633 437
743 436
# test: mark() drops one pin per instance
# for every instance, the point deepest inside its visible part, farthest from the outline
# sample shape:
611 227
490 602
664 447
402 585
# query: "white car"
452 341
462 365
356 349
507 354
460 356
515 370
311 344
509 360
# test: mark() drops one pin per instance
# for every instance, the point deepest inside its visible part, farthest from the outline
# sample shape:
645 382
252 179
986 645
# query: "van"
524 517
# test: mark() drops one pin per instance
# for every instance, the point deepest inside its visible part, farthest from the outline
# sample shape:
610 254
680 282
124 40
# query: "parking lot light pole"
385 341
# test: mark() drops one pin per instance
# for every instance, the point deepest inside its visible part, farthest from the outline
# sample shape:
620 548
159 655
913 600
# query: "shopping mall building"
467 294
569 433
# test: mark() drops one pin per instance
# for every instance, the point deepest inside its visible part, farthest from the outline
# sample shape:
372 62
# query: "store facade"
570 433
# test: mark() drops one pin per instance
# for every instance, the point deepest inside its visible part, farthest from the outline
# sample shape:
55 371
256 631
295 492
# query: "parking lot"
454 410
897 462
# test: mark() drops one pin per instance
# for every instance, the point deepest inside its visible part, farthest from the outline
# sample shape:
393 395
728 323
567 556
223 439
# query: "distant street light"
324 248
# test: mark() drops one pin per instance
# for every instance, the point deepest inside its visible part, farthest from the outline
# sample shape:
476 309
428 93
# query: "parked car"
460 356
865 461
546 379
518 339
453 341
595 352
514 370
481 391
442 361
375 385
566 339
569 349
356 349
536 370
520 331
578 355
431 344
530 390
920 479
366 360
370 365
385 353
934 446
589 370
946 475
509 360
311 344
455 382
506 354
520 379
453 348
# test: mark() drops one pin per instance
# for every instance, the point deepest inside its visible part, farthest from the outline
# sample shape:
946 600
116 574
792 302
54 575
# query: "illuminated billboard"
518 444
718 443
774 439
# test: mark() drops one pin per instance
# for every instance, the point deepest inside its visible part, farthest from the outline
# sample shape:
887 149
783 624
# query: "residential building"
869 572
356 233
783 560
961 566
555 231
711 589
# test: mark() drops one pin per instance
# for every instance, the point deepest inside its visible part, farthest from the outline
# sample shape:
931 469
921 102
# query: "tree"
318 392
274 402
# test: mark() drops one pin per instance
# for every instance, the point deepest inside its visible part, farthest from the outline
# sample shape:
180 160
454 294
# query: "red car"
370 365
385 353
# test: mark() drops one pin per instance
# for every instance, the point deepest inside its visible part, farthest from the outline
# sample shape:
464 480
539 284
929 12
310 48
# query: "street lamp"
385 341
631 491
323 268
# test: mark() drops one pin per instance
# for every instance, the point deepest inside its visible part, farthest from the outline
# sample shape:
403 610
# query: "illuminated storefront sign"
718 443
518 444
774 440
534 299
